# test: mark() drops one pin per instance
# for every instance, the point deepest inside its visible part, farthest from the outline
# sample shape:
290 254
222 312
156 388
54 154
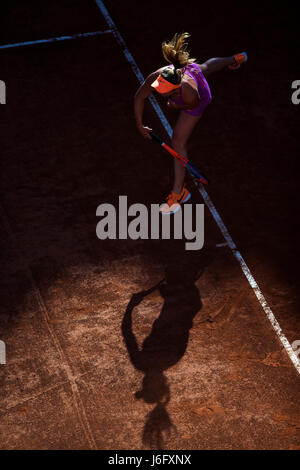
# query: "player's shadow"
166 343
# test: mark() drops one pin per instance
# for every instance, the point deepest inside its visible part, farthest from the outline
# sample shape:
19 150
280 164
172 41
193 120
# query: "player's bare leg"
219 63
182 131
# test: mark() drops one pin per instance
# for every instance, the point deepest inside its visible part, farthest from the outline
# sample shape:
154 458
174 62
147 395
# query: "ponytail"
175 51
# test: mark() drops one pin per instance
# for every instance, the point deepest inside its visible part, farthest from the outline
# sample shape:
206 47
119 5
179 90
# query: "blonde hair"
175 51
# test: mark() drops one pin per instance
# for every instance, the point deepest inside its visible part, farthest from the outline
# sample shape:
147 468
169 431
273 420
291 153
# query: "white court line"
206 198
60 38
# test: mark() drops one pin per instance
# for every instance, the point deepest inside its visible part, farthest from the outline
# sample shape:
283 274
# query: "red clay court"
141 344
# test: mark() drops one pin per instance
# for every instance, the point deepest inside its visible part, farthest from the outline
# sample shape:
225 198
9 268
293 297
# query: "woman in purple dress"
184 85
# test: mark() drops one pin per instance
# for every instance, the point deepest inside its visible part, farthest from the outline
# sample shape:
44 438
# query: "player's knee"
204 68
209 66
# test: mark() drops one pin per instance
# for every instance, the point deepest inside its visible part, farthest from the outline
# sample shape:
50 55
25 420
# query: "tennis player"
184 86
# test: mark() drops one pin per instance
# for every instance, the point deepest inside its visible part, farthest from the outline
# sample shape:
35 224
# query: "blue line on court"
60 38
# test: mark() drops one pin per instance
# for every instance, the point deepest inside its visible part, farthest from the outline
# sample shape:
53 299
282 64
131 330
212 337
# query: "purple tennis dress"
193 70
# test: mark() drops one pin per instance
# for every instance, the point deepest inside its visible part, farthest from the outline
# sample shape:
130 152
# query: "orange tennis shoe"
174 201
239 59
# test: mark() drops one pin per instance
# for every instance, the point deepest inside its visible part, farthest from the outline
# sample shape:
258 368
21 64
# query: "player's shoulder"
189 86
190 92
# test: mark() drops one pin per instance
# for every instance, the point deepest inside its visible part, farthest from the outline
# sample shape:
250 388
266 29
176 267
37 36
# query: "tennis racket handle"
155 137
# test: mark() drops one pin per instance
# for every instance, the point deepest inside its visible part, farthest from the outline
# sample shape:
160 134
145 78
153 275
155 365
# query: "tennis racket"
191 168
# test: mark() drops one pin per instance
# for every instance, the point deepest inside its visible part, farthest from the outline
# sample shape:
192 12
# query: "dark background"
69 143
247 142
